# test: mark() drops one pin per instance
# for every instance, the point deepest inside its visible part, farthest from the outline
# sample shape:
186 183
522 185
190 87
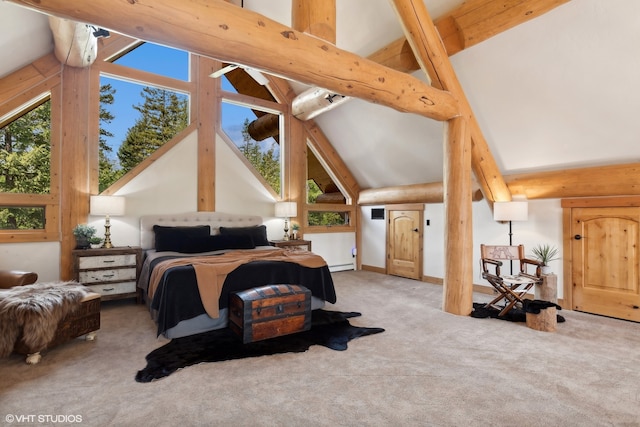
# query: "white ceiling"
557 92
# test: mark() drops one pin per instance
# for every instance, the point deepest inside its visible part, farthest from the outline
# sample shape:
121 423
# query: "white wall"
336 248
543 226
42 258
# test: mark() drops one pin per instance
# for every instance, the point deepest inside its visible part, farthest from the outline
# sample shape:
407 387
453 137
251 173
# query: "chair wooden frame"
511 288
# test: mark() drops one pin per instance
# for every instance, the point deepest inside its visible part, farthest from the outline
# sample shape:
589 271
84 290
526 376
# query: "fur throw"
34 311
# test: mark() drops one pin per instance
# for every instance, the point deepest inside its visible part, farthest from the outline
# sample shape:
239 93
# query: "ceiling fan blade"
223 71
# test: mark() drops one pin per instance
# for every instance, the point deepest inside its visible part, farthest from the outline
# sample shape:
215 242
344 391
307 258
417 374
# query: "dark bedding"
177 297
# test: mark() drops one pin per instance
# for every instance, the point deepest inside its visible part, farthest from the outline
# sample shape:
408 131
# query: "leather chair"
11 278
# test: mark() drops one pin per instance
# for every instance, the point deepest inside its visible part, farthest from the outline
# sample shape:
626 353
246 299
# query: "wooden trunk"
270 311
84 320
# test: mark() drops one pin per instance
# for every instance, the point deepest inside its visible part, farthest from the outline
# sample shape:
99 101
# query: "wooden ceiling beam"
611 180
479 20
316 17
74 43
597 181
412 193
433 59
226 32
473 22
469 24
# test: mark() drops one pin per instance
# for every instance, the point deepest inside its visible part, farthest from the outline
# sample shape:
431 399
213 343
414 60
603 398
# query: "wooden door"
404 248
605 265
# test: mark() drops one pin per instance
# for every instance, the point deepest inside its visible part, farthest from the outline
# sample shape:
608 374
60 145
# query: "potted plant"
295 229
83 233
95 242
545 254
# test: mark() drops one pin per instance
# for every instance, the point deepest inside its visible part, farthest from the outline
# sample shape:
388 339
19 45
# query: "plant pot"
546 269
82 243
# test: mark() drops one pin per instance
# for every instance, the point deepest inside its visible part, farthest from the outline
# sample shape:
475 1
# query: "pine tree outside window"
159 115
25 165
264 155
138 117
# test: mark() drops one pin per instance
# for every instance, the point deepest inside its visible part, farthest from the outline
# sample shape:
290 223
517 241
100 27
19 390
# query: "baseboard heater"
341 267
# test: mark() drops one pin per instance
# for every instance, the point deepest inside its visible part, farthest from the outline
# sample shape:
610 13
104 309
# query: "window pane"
328 218
226 85
159 60
25 152
22 218
135 120
264 154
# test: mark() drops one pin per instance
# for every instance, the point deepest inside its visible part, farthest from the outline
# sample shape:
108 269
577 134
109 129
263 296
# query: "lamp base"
107 234
286 229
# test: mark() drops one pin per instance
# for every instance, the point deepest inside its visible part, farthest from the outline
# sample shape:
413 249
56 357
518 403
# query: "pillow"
219 242
258 233
178 238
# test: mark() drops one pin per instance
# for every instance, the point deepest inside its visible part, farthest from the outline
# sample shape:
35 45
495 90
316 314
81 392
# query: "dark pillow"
258 233
219 242
178 238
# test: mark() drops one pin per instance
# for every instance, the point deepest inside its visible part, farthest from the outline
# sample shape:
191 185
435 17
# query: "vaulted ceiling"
559 91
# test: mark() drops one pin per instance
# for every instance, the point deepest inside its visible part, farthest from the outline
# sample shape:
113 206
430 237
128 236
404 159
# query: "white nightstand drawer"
102 261
114 275
111 272
114 288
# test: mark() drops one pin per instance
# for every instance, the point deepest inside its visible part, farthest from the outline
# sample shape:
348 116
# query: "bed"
179 247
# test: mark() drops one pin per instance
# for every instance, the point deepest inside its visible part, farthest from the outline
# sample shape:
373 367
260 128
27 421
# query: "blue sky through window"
160 60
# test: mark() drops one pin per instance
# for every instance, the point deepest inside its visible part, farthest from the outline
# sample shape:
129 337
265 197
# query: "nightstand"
293 245
112 272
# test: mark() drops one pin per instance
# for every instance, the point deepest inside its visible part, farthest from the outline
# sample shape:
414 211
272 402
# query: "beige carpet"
428 368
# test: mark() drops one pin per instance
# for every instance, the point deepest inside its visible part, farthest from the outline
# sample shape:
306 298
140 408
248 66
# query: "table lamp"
286 210
511 211
107 206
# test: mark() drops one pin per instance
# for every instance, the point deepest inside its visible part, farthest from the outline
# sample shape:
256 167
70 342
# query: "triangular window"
325 199
137 116
245 128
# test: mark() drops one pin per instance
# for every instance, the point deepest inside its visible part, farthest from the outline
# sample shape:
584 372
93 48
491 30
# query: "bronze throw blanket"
211 271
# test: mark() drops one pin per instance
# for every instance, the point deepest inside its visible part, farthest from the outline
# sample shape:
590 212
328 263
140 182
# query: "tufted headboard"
214 219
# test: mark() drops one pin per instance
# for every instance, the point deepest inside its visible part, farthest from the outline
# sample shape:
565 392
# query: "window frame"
264 106
9 112
109 69
348 206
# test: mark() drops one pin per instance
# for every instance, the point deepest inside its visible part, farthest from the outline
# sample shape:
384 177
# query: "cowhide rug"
32 313
328 328
516 314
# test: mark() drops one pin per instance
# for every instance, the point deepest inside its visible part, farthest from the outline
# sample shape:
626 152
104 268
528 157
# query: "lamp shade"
286 209
106 205
511 211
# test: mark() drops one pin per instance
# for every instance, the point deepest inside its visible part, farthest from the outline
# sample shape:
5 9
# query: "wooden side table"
113 273
293 245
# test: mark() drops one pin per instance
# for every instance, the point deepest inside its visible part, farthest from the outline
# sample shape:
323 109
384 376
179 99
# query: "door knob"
416 230
577 237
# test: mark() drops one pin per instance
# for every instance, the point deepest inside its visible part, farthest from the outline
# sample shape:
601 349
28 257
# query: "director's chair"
511 288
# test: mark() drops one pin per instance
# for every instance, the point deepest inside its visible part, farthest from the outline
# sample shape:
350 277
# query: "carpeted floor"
330 329
429 368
